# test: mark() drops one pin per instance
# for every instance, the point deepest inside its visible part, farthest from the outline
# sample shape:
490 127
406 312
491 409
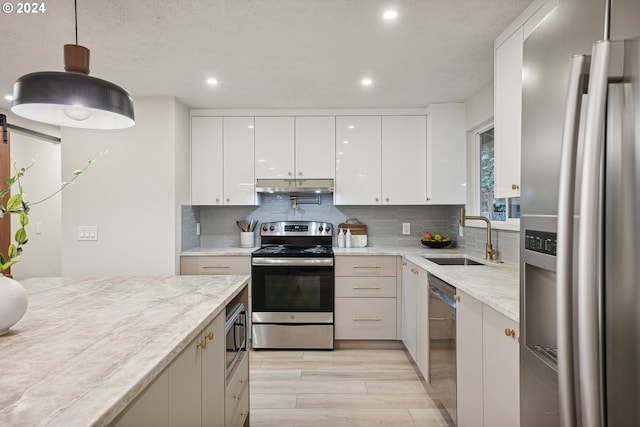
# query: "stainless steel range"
292 286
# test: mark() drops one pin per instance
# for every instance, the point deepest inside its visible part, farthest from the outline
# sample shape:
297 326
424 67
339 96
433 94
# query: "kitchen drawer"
366 265
366 287
365 318
215 265
237 392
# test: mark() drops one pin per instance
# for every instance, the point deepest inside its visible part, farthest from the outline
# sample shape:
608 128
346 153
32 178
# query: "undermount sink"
454 261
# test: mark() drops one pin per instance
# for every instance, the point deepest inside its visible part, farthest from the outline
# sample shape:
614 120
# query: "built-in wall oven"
293 286
236 334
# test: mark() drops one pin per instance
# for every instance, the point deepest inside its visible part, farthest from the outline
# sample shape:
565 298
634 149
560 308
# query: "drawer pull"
215 266
242 381
202 344
442 319
366 319
209 335
366 287
236 396
367 266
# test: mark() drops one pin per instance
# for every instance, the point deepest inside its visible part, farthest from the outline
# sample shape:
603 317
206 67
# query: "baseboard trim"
368 345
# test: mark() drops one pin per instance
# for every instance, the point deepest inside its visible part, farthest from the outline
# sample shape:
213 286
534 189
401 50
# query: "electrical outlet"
406 228
197 228
87 232
460 231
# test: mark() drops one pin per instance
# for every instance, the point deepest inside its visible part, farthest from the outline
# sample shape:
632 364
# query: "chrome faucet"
490 251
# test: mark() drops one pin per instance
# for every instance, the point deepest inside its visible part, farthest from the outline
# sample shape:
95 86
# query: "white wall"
130 194
479 107
42 253
479 110
182 171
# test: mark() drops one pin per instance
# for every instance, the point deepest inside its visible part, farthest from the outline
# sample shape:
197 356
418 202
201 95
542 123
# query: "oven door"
292 285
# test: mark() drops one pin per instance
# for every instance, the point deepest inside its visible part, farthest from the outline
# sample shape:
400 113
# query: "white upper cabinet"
206 161
404 173
446 155
274 155
358 160
239 179
508 62
315 147
508 115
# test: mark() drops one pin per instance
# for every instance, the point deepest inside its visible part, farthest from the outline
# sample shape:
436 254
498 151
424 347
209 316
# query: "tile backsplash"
384 223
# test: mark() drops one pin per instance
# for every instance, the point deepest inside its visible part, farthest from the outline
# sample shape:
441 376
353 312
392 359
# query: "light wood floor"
339 388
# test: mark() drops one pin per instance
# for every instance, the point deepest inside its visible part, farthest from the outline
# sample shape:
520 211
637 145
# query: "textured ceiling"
269 53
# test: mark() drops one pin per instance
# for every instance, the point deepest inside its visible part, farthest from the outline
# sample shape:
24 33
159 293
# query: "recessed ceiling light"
390 14
212 82
8 97
366 82
250 126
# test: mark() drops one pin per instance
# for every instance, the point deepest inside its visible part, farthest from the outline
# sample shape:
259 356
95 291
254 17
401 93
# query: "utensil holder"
246 239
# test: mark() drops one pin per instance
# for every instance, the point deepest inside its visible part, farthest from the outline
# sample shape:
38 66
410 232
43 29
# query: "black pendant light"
73 98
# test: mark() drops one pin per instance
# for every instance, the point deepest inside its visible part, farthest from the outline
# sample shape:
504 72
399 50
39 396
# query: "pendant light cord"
75 8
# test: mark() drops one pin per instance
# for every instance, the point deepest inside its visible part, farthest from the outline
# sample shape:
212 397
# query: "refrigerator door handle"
576 88
588 262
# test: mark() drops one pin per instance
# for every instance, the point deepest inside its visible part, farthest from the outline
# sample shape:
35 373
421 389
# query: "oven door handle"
321 262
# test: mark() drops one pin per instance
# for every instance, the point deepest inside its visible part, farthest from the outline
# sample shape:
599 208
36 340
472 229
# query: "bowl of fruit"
435 240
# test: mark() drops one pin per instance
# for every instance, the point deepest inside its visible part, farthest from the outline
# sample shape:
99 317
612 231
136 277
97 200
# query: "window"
496 209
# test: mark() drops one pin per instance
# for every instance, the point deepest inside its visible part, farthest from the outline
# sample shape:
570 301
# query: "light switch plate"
406 228
460 231
87 232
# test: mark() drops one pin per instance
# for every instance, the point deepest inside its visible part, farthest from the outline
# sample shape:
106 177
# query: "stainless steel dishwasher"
442 343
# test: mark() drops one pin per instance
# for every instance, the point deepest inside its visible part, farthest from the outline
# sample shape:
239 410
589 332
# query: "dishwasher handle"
444 297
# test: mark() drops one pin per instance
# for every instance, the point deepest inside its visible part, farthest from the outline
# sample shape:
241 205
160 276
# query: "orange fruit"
428 235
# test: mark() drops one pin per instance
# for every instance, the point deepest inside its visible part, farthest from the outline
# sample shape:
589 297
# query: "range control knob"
271 228
264 228
327 229
320 229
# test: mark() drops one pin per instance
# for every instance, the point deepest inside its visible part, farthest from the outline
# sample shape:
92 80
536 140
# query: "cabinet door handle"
289 173
366 287
515 187
456 298
366 266
236 396
387 200
404 264
217 200
209 336
299 173
414 271
366 319
202 344
376 199
215 266
510 332
228 200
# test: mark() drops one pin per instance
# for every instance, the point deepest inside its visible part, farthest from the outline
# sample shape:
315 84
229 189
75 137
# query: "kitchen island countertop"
87 346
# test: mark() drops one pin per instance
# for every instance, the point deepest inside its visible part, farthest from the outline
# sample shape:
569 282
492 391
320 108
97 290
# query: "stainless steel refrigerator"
580 226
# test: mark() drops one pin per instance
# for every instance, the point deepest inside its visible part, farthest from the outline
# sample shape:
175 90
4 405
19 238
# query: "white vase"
13 303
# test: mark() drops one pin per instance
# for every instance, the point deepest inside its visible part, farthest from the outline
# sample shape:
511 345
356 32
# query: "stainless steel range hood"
294 186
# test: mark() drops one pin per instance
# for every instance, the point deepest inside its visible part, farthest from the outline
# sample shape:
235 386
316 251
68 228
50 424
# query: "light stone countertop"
495 284
231 250
86 347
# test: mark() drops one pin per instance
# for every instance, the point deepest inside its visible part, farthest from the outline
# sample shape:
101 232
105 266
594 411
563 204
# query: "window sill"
513 225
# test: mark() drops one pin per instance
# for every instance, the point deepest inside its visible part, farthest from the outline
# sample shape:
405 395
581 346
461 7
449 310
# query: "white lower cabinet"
236 401
191 391
366 303
150 408
488 366
365 318
469 360
415 315
500 370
